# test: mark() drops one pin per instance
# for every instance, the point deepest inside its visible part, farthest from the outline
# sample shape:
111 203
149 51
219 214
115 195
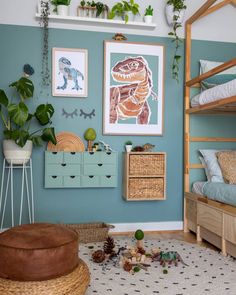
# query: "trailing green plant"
45 72
149 10
17 118
121 8
178 6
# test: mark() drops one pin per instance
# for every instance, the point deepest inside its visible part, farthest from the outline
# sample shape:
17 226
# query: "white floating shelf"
103 22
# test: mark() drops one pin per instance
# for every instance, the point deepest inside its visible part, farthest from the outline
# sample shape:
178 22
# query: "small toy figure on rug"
167 258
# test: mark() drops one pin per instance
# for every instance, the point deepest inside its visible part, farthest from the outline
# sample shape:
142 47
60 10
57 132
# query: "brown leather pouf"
36 252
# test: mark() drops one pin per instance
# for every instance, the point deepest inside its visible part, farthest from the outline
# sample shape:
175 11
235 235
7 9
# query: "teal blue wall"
20 45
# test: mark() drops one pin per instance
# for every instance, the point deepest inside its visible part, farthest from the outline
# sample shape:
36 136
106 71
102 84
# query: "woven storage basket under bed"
91 232
150 164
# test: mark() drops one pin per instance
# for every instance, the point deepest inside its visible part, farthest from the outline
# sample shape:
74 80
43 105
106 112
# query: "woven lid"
67 142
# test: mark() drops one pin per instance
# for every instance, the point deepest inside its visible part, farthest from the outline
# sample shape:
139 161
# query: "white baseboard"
147 226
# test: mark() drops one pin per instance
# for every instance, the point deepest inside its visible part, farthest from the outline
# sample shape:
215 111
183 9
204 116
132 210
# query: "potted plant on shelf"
148 15
128 146
174 13
62 6
102 10
17 120
127 10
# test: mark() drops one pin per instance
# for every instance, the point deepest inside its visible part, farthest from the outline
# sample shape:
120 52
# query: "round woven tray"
67 142
75 283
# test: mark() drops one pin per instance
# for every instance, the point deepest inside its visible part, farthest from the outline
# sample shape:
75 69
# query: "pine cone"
109 245
98 256
127 266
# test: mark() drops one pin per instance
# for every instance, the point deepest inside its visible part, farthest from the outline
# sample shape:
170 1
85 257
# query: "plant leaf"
24 87
18 113
3 98
37 140
49 135
11 134
22 137
43 113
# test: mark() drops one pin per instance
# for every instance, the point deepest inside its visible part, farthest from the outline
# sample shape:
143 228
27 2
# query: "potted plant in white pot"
148 15
17 120
127 10
128 146
175 10
61 6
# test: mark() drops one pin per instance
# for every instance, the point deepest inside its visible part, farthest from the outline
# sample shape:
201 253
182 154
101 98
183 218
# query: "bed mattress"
216 93
197 187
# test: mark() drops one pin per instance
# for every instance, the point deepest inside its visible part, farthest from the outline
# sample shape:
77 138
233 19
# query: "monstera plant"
18 119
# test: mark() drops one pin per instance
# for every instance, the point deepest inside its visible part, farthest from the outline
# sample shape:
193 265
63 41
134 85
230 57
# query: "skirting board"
147 226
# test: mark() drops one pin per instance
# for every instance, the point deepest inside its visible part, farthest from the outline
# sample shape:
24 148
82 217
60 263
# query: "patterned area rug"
207 272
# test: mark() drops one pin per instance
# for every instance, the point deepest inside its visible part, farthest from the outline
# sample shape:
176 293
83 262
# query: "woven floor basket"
91 232
75 283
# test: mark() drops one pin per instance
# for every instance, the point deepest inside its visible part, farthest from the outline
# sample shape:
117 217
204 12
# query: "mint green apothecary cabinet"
78 170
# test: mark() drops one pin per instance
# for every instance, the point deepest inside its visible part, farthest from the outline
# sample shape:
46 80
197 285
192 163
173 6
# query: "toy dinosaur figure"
131 99
148 147
119 37
69 74
168 257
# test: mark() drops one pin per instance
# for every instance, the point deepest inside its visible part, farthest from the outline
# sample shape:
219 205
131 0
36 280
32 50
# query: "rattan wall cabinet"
144 177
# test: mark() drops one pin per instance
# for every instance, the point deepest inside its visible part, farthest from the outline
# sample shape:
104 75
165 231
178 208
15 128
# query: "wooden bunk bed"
210 220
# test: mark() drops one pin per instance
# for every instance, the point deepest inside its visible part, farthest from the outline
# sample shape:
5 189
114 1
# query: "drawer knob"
100 165
108 153
54 153
91 153
91 176
54 176
108 176
72 153
63 165
72 176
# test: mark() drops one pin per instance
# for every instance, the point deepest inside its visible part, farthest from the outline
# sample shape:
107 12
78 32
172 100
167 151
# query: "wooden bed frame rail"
195 214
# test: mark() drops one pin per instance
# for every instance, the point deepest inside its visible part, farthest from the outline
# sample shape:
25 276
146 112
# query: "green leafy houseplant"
121 8
61 2
128 142
101 7
149 10
17 118
178 7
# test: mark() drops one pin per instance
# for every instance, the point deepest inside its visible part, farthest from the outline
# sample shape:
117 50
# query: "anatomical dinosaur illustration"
69 74
130 100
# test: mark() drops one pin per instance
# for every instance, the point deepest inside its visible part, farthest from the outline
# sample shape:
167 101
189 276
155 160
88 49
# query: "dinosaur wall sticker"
130 99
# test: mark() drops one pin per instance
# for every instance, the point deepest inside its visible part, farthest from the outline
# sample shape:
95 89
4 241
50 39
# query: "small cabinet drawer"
108 158
54 157
210 218
99 169
63 169
90 181
108 181
72 181
53 181
92 157
230 228
147 164
72 158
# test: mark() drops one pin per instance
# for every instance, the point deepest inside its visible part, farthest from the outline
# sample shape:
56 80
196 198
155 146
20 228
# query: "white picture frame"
133 98
69 72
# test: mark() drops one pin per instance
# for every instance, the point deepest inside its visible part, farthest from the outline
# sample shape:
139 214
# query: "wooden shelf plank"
213 139
222 106
212 72
99 21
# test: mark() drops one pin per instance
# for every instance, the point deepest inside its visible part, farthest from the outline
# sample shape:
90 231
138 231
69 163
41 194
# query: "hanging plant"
175 12
45 72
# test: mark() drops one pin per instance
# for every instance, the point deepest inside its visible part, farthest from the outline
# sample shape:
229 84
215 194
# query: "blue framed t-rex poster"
69 72
133 88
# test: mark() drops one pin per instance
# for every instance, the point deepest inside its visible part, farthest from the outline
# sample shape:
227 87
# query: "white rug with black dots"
207 272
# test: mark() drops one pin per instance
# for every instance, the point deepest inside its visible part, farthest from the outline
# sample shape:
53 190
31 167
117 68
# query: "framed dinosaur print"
69 72
133 88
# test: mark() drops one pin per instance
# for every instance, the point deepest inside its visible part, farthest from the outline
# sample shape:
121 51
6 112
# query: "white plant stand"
8 174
